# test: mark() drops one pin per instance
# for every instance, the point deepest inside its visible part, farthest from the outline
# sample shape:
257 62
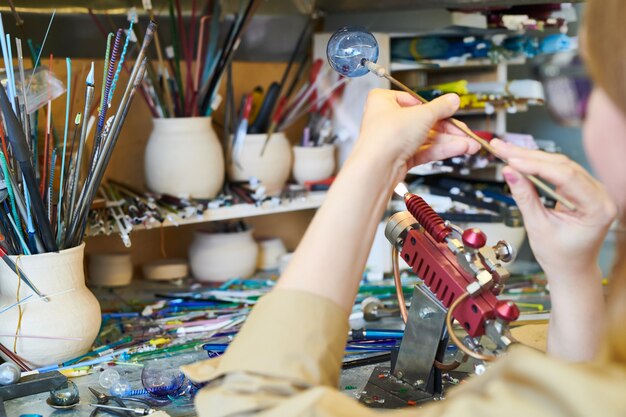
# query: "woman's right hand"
562 240
565 243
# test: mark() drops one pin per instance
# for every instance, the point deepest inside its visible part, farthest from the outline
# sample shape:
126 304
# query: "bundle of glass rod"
190 69
36 216
120 207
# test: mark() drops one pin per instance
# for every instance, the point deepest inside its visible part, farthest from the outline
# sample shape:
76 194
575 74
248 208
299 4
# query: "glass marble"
9 373
108 377
66 394
121 388
347 49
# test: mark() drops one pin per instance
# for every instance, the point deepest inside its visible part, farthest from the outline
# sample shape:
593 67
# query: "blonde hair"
605 52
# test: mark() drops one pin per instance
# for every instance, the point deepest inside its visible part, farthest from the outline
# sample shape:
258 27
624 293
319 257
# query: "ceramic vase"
110 270
184 157
72 314
222 256
270 250
272 168
313 163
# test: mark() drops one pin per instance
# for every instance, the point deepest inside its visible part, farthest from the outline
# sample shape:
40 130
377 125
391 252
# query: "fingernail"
510 178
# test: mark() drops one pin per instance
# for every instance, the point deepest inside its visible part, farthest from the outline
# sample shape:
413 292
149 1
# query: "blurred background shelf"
440 64
312 200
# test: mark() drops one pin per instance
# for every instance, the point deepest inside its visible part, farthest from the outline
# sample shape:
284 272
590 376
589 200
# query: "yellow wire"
19 307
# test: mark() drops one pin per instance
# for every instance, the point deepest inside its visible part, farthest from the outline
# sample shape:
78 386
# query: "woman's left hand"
564 242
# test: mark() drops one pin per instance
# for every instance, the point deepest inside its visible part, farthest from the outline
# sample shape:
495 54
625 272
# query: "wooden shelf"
440 64
346 6
312 200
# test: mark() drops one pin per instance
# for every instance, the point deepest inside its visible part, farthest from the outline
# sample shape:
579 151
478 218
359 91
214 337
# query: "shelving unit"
312 200
436 64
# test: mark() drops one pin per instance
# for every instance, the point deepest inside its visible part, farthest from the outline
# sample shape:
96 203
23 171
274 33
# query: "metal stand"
413 378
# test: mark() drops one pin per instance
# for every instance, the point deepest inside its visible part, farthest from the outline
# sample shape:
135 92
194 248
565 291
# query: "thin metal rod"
381 72
75 182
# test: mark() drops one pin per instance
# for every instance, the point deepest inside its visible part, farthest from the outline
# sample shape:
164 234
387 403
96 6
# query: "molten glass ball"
348 48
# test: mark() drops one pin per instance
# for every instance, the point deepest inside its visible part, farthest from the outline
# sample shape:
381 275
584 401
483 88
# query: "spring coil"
110 74
427 217
134 392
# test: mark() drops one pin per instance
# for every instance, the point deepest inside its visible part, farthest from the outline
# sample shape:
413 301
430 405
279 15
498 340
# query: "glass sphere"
9 373
108 377
161 379
347 49
65 394
121 388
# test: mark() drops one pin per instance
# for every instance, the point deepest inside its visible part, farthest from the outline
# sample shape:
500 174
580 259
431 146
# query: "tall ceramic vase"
184 158
66 325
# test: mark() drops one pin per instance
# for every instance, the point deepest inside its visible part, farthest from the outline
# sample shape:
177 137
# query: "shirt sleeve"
287 358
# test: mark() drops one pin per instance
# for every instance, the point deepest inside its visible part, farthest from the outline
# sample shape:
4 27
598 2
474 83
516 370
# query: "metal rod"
90 188
137 411
75 183
381 72
24 158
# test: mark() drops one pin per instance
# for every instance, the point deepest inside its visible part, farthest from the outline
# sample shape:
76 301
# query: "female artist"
287 358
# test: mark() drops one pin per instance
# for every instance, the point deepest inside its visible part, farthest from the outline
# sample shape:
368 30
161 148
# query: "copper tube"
396 279
454 337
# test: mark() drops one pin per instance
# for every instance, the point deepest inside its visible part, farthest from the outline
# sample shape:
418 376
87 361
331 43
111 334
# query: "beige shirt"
287 358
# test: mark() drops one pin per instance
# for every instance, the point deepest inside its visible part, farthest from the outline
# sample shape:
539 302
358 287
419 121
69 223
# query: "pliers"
104 399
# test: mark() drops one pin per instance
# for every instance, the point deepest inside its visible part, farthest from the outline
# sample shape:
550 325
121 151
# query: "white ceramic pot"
72 312
184 158
110 269
270 250
283 262
165 269
272 169
313 163
222 256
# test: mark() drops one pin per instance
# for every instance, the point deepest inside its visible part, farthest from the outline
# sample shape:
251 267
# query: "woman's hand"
396 132
399 132
565 243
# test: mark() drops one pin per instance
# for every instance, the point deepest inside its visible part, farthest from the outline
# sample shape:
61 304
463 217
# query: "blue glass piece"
347 49
161 378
